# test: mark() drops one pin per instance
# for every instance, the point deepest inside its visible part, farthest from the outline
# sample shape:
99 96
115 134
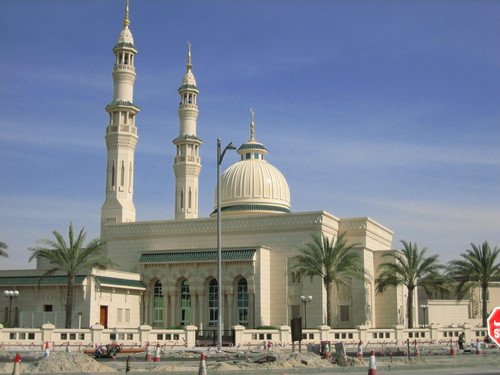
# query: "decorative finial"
189 65
126 20
252 125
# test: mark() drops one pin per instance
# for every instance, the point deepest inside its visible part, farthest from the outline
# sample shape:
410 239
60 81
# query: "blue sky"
386 109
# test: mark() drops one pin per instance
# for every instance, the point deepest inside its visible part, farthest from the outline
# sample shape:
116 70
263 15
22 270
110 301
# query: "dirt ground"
233 361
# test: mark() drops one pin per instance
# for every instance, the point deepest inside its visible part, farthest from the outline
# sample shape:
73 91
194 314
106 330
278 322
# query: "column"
251 310
230 310
172 297
201 307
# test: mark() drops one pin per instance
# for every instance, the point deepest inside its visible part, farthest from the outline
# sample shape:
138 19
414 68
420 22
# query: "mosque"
165 272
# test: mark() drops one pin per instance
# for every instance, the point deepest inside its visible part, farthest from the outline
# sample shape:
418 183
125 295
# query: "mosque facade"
177 258
165 272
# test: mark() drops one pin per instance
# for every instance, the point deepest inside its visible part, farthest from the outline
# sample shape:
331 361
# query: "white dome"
254 186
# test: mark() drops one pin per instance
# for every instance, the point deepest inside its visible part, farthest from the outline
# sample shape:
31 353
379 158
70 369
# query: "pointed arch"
185 296
122 176
242 302
158 313
113 175
213 302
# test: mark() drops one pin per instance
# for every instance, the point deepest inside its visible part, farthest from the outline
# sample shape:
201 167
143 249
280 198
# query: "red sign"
494 325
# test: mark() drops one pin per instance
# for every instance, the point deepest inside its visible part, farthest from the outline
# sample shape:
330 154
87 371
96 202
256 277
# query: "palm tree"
3 249
333 261
71 258
478 267
411 268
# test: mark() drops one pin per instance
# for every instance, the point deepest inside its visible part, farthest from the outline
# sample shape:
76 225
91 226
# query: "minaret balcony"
121 129
188 106
188 158
124 67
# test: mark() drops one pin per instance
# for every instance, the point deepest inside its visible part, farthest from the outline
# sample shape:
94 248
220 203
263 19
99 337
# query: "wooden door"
103 316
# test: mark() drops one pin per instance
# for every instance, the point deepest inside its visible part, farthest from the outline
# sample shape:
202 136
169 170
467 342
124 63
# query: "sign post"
494 325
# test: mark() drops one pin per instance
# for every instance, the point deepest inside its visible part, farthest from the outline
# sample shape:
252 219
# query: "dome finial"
126 20
189 65
252 125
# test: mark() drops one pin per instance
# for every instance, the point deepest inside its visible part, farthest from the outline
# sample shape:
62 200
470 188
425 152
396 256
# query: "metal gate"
208 337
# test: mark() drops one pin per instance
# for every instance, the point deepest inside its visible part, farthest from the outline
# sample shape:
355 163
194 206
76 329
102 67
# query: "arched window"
189 198
122 177
213 302
113 175
130 177
185 303
182 200
158 304
242 302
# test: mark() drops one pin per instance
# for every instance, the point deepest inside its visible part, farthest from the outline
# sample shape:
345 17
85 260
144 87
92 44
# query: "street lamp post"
10 294
304 300
220 156
424 308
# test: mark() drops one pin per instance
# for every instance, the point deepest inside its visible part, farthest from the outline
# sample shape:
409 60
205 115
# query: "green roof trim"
124 45
35 280
187 137
125 103
119 282
252 146
188 86
196 256
254 207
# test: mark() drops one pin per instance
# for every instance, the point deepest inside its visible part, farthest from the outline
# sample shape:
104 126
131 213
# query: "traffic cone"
127 366
452 348
47 350
478 348
416 350
17 365
202 370
360 349
372 366
157 353
148 353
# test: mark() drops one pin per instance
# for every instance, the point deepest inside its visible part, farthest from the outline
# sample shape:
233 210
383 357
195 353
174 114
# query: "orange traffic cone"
157 353
372 366
202 370
17 365
478 347
360 349
47 350
148 353
452 348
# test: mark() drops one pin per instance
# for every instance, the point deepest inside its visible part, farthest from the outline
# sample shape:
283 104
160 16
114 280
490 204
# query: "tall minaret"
187 164
121 133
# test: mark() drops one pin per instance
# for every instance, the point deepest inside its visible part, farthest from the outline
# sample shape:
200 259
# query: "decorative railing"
186 337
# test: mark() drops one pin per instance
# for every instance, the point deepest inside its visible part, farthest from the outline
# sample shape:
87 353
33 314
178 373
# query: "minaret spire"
126 20
189 65
187 163
121 133
252 125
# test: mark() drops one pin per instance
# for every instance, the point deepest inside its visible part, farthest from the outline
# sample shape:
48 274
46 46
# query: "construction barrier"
372 366
157 353
17 365
202 370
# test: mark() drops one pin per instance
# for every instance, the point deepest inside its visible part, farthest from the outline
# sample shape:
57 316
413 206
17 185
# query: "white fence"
143 335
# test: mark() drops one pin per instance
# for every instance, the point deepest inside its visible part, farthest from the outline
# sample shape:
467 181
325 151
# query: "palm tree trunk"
328 286
484 297
409 307
69 300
